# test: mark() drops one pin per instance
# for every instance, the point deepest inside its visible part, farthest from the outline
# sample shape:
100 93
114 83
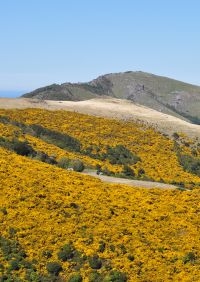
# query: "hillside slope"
109 143
160 93
112 108
55 224
58 225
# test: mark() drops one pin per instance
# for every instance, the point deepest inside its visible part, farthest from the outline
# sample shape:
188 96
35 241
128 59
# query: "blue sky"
54 41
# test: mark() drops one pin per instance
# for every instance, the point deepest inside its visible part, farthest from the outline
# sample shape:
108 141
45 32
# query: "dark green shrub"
131 257
47 254
78 165
92 151
123 249
43 157
95 262
14 265
74 205
115 276
75 278
34 276
28 265
61 140
23 148
66 252
54 268
102 246
20 147
12 231
112 248
190 164
95 277
11 249
64 162
116 155
128 171
4 119
120 155
106 171
4 211
189 257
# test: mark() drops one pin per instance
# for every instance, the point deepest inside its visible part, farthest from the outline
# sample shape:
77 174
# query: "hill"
112 108
160 93
61 225
111 144
99 231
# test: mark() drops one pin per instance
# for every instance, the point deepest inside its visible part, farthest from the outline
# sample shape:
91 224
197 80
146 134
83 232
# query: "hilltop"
163 94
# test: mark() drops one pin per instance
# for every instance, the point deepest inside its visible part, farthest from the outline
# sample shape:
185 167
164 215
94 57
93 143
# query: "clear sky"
55 41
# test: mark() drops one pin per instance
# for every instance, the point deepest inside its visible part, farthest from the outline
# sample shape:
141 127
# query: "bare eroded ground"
110 107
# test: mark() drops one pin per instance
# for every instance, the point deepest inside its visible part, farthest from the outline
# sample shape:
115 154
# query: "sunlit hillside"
96 141
61 225
55 222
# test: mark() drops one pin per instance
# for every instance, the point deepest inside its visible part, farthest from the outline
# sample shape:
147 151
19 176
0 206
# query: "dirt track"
110 107
135 183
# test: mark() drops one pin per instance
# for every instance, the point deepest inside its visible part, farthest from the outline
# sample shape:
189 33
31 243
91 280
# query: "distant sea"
11 94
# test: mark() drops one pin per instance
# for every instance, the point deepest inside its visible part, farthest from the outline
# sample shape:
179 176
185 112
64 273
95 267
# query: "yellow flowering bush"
147 234
157 153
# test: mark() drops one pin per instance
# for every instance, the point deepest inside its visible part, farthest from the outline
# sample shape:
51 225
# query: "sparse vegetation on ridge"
160 93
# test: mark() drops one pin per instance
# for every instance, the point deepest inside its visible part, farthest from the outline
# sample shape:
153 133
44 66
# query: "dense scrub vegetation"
190 163
115 155
61 140
20 147
119 148
57 225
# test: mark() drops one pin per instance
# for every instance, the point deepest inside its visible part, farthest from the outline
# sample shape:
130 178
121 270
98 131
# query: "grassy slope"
159 92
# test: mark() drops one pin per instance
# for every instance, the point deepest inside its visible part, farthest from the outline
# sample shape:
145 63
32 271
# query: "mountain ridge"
160 93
